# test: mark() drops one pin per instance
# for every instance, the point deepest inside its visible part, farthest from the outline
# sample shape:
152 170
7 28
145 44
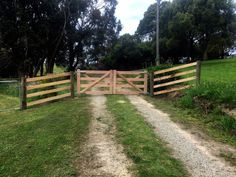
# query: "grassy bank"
149 154
218 82
43 141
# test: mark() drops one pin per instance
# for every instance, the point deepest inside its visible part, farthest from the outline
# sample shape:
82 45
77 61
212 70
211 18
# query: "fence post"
114 81
198 73
23 104
78 81
151 77
111 81
145 82
72 82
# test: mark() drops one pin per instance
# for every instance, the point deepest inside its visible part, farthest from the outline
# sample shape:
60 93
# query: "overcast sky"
130 12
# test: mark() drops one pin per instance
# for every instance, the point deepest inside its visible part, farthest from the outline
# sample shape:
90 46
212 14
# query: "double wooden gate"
112 82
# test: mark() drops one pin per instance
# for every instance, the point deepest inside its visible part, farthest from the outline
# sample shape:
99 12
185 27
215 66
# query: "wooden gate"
111 82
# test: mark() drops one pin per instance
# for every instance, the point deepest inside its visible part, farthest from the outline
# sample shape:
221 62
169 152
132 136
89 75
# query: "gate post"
198 73
111 81
146 83
151 77
114 81
78 81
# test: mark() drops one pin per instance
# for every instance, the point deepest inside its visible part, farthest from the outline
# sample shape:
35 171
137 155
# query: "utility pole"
158 34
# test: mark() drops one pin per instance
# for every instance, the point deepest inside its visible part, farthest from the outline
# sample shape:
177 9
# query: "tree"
129 54
65 32
193 28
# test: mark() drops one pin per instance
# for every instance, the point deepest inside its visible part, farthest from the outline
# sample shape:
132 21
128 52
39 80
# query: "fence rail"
32 89
167 82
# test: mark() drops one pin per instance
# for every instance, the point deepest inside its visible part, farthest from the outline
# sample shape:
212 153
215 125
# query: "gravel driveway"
197 159
101 155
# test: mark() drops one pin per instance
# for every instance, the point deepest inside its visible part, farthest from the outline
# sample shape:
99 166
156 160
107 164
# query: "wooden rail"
51 87
174 79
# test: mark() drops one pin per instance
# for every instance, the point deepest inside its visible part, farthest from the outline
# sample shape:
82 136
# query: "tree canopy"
194 28
71 33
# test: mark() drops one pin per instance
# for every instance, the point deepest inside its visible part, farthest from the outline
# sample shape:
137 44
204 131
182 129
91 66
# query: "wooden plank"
130 83
131 72
132 79
129 86
33 103
114 81
51 76
145 83
96 82
32 87
78 82
92 78
174 75
47 92
175 68
172 90
175 82
92 72
111 82
97 85
23 103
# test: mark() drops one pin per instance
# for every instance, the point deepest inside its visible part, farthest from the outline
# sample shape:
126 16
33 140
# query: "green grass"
218 82
9 96
149 154
219 71
58 69
215 124
43 141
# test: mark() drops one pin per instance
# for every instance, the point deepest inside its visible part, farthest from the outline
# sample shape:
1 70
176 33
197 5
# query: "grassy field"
219 71
43 141
149 154
9 96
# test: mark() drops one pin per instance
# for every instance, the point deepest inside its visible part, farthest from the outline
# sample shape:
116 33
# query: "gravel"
101 155
197 159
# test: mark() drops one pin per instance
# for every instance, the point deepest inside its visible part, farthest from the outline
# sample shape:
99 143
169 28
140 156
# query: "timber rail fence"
32 89
40 90
175 79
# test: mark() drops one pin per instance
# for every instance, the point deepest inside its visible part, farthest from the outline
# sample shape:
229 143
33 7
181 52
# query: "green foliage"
10 89
197 29
43 141
150 155
159 67
129 53
217 92
70 33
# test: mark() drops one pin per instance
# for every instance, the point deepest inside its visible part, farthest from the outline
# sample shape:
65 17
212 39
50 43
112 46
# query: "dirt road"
197 159
101 155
